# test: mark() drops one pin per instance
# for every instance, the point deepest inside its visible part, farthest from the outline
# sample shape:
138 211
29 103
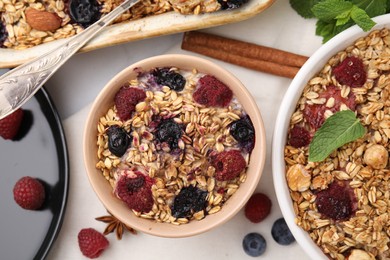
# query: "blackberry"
189 200
3 34
231 4
118 140
84 12
281 233
168 131
254 244
243 131
170 78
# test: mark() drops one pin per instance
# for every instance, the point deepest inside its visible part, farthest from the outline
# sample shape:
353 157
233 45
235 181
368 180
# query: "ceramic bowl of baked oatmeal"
330 148
174 145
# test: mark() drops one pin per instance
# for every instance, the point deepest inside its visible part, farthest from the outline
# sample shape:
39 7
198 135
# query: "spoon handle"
21 83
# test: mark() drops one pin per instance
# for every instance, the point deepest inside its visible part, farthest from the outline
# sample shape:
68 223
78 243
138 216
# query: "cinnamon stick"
249 55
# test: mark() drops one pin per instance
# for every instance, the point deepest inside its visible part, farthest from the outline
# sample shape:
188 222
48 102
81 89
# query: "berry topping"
281 233
228 164
134 188
29 193
299 137
258 207
243 131
212 92
126 99
92 243
168 131
84 12
231 4
254 244
351 72
315 114
189 200
3 34
170 78
337 202
118 140
9 125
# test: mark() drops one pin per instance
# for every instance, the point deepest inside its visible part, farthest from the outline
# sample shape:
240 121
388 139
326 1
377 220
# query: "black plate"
39 151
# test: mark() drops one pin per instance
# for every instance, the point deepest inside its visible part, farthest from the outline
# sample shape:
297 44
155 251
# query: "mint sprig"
334 16
340 128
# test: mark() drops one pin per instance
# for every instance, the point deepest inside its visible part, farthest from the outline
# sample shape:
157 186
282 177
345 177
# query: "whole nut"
376 156
298 178
42 20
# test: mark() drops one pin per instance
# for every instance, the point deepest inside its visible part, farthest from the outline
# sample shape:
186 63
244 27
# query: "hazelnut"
376 156
298 178
358 254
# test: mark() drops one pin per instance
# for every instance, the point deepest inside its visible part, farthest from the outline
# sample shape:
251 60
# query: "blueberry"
231 4
168 131
84 12
118 140
254 244
3 34
281 233
189 200
170 78
243 131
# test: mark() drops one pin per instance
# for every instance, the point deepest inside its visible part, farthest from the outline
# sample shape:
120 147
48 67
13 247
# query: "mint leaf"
360 17
339 129
303 8
343 18
330 9
372 7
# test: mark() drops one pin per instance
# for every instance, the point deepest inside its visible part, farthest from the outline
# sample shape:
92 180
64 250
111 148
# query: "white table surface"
77 83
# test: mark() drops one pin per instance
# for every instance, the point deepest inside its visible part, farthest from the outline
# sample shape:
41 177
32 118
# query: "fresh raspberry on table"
258 207
126 99
9 126
351 72
212 92
299 137
228 164
135 190
92 243
29 193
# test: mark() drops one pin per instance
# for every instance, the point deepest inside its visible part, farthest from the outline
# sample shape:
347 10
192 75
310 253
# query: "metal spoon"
21 83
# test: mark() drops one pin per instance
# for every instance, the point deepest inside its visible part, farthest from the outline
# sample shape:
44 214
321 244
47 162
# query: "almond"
42 20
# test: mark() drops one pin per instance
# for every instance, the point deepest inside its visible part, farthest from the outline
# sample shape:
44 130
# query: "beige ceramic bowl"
103 189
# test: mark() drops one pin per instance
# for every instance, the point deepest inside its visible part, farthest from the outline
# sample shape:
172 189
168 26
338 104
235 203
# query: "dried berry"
126 99
29 193
212 92
351 72
170 78
118 140
281 233
189 200
258 207
254 244
84 12
91 242
243 131
337 202
299 137
168 131
231 4
134 188
228 164
3 34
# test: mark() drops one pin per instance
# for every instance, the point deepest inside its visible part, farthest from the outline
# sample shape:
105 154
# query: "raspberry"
126 99
299 137
351 72
258 207
228 164
337 202
9 126
134 189
314 114
212 92
29 193
92 243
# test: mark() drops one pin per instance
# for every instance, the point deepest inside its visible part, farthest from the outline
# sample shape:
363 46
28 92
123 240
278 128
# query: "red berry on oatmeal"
299 137
350 72
126 99
212 92
228 164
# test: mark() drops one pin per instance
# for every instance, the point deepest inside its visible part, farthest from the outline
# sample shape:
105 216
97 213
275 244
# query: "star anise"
114 224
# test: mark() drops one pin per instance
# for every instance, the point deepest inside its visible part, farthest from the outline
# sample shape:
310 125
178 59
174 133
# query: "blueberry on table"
281 233
84 12
118 140
169 78
254 244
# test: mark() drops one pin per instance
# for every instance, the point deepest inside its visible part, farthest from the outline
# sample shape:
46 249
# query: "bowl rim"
293 93
260 142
